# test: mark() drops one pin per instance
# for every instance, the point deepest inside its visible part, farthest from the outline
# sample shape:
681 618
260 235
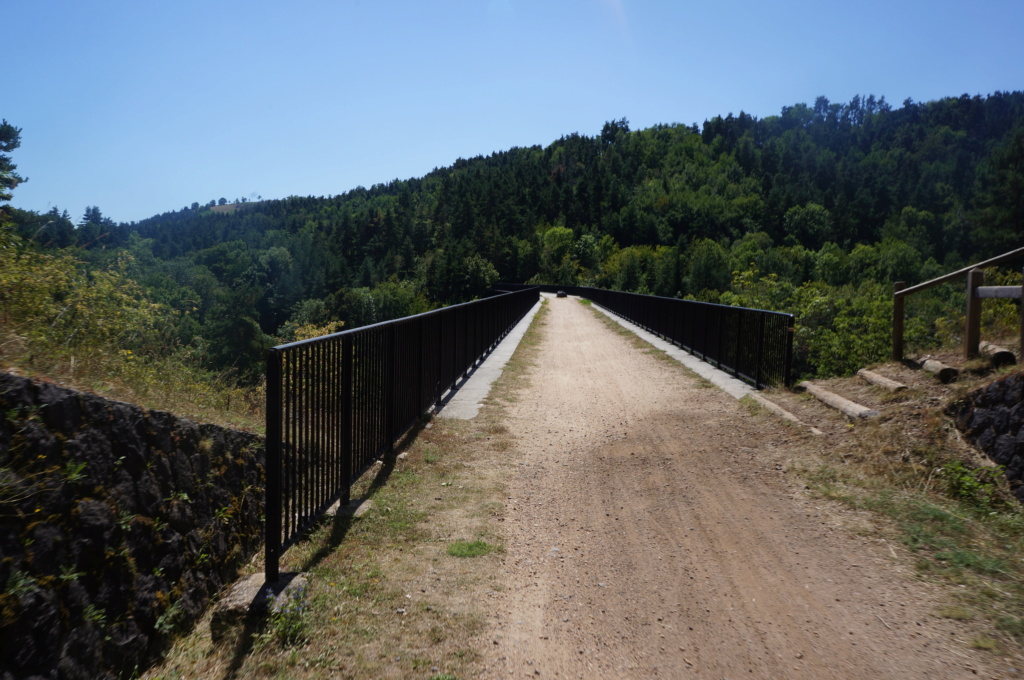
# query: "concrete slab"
249 601
356 508
732 386
463 403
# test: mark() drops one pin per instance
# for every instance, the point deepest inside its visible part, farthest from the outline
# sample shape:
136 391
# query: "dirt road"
653 530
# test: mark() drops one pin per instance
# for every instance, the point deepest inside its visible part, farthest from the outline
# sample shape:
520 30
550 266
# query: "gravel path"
653 531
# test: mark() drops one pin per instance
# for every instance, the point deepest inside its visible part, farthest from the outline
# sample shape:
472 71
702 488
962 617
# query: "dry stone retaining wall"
117 527
992 418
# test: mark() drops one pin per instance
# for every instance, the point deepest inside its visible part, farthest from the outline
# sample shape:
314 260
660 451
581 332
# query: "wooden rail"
975 293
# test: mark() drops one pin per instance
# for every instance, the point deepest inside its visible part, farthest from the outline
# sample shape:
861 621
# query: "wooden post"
897 320
972 334
1021 353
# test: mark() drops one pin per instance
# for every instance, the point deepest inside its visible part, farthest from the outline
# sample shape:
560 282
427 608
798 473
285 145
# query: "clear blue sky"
144 107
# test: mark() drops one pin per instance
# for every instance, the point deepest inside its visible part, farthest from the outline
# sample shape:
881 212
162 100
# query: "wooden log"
881 381
999 356
849 408
946 374
782 413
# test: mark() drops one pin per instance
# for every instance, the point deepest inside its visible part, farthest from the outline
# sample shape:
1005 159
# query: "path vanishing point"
655 529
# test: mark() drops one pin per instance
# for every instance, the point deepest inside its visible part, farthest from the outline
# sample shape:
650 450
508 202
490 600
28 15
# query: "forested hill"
830 201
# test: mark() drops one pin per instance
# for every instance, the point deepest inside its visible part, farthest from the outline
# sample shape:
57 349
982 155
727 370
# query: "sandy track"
652 531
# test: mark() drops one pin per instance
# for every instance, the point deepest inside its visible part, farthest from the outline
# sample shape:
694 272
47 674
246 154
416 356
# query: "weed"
1012 625
19 583
124 520
289 615
74 471
974 487
95 615
67 573
171 618
984 642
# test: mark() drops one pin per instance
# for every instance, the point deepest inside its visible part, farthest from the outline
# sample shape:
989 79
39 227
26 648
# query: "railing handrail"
336 334
773 352
959 272
338 402
900 292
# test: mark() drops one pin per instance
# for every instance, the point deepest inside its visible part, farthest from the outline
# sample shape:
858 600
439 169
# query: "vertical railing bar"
346 418
272 501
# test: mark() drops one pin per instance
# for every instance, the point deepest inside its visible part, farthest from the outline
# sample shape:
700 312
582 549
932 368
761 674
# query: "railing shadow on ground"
339 403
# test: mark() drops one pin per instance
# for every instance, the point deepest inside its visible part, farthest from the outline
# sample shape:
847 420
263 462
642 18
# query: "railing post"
972 334
758 372
898 302
346 418
704 341
272 500
721 317
739 333
390 380
789 354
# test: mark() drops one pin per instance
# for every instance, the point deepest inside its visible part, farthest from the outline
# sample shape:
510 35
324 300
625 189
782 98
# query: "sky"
141 108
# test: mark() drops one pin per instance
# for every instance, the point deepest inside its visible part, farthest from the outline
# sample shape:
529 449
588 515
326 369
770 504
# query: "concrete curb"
728 384
463 403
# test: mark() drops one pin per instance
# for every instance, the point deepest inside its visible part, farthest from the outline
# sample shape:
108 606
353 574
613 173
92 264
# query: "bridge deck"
653 530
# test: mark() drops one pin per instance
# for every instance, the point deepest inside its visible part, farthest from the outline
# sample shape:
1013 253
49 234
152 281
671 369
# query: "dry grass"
172 383
395 593
925 487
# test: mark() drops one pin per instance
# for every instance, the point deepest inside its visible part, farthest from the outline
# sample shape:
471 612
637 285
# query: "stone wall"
992 418
117 527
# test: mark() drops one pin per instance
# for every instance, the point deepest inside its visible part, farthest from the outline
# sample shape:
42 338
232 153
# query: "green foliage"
290 615
707 266
74 471
10 139
826 206
972 487
19 583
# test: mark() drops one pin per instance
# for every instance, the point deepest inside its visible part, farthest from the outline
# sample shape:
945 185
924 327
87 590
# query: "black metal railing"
754 345
337 403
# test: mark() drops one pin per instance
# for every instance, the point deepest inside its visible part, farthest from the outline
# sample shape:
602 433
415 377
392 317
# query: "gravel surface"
653 530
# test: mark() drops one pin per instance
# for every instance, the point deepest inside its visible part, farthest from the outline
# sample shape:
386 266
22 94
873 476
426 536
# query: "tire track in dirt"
652 531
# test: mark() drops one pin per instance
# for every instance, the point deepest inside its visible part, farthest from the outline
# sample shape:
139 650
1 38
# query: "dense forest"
815 211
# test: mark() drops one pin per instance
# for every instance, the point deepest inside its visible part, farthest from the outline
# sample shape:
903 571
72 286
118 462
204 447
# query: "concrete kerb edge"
733 387
465 401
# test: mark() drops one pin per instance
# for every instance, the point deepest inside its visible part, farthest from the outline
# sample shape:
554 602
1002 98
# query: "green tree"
10 139
810 225
558 242
1002 224
707 266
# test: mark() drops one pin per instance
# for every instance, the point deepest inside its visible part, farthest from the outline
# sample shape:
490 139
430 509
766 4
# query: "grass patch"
956 612
984 642
385 598
470 548
927 491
